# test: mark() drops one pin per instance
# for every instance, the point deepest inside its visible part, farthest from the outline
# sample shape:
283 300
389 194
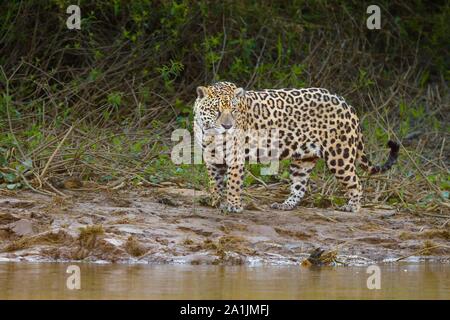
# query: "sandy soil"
168 225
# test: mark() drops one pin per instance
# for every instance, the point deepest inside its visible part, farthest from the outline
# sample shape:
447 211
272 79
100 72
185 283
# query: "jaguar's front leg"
216 174
235 179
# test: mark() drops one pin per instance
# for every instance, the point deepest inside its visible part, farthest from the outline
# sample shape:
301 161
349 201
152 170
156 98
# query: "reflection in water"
48 281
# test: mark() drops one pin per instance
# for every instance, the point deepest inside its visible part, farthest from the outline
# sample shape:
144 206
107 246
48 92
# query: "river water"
116 281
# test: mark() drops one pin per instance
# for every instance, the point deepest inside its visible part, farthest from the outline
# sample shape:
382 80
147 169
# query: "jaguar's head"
218 107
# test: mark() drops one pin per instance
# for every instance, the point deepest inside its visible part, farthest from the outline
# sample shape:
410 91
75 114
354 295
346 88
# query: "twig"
34 189
56 190
257 179
422 250
42 175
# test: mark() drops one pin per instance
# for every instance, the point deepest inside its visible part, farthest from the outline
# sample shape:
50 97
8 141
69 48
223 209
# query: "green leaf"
9 177
12 186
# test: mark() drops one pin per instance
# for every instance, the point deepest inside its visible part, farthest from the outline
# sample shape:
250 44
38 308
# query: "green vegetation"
100 103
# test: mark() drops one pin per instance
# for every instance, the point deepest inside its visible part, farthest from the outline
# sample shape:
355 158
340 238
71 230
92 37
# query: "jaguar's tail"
365 164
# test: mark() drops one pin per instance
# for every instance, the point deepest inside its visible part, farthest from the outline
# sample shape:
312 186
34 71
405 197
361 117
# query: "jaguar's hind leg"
345 172
300 171
353 191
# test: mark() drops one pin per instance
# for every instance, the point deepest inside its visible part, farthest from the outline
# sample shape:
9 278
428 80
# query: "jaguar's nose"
226 126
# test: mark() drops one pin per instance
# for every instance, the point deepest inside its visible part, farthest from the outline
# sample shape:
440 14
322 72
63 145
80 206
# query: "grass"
428 234
45 238
88 236
134 247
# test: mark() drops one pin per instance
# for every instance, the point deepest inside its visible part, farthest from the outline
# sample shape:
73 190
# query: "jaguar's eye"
218 114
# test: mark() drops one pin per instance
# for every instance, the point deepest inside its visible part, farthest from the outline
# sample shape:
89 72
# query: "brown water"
113 281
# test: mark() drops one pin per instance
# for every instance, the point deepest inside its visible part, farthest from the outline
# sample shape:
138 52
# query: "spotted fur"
312 123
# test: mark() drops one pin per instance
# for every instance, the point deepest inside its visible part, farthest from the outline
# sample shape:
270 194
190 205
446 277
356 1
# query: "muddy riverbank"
168 225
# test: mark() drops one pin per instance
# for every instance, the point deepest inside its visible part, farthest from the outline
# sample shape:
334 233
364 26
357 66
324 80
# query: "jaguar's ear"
239 92
201 92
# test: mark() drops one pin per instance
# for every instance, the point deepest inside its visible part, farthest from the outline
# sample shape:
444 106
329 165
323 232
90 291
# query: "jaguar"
311 124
